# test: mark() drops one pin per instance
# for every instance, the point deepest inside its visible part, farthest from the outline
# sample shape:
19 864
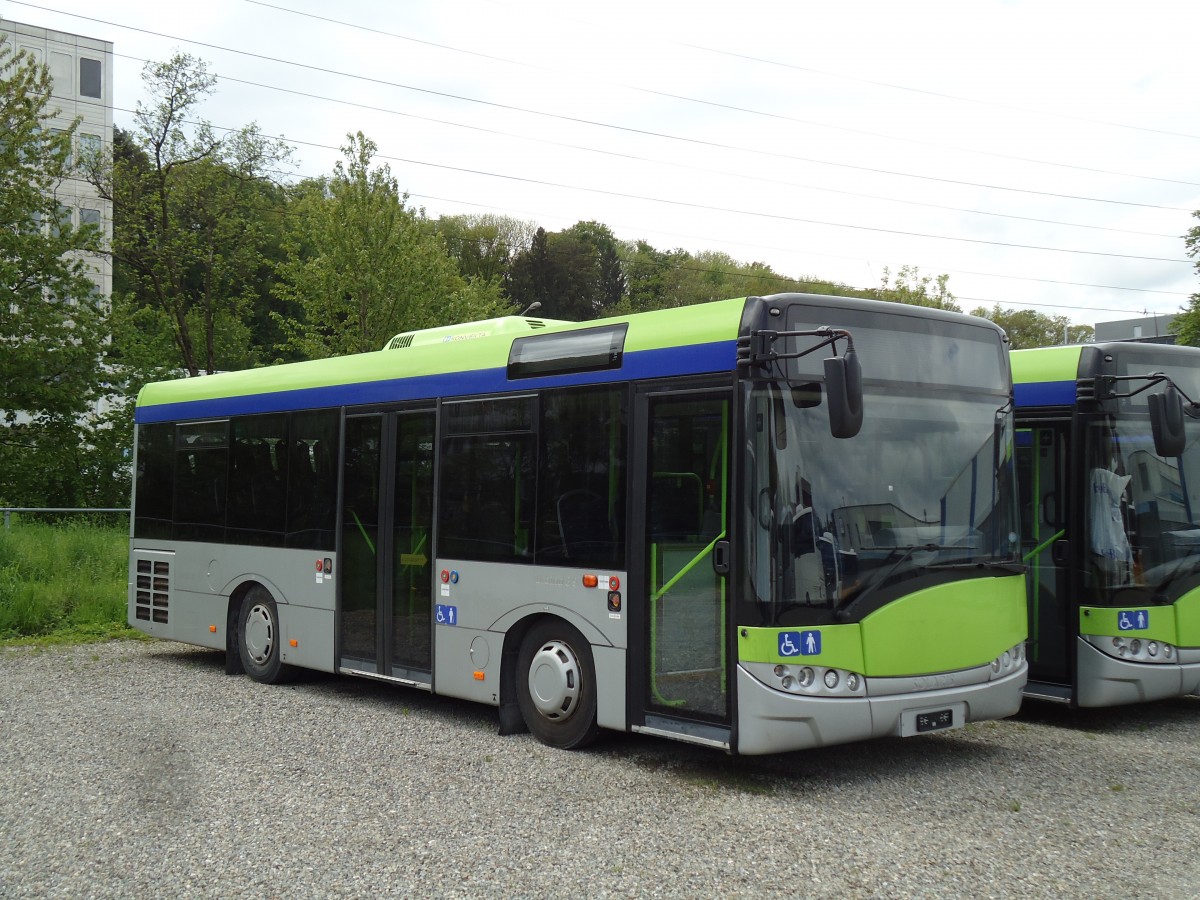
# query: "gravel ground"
134 769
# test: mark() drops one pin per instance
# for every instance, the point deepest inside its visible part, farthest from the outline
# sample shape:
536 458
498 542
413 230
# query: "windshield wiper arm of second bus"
1015 568
843 612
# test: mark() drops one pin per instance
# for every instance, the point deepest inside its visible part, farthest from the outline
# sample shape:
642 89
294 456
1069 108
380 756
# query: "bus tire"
556 685
260 638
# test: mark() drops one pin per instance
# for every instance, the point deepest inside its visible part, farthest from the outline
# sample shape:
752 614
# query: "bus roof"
470 358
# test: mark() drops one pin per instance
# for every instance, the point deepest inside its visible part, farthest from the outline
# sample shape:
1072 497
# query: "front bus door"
682 557
1045 542
384 626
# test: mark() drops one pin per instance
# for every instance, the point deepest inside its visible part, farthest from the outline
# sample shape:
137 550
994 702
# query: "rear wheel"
259 638
556 685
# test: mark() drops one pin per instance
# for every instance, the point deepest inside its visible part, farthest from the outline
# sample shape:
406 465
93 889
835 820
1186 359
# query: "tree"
485 245
190 237
576 274
915 289
1187 323
1027 328
362 266
51 318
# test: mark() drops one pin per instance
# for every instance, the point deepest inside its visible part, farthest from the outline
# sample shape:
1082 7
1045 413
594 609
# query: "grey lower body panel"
1104 680
771 721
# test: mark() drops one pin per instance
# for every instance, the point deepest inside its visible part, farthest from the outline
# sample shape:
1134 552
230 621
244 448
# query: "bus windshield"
1143 516
833 529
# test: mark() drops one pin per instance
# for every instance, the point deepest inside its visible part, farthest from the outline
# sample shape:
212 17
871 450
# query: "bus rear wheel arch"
260 638
556 685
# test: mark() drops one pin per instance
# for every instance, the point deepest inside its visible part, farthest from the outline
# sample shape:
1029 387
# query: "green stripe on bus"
1045 364
1100 621
841 647
1187 619
952 626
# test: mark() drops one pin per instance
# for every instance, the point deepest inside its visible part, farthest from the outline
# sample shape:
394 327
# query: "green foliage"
192 230
50 316
574 274
1187 323
915 289
484 246
62 579
361 266
1027 328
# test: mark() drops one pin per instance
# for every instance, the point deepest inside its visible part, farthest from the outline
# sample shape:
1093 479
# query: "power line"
727 106
635 158
593 123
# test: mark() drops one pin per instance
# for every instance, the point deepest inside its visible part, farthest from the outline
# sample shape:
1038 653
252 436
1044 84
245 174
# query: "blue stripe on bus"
1045 393
696 359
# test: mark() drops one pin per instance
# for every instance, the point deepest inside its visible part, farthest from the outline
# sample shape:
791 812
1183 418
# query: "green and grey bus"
1108 455
710 523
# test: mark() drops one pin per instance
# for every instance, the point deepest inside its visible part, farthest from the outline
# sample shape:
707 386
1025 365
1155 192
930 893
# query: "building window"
1137 331
56 134
89 147
89 216
64 220
89 77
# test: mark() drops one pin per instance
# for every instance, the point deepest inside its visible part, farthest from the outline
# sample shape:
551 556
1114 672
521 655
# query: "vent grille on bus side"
153 590
400 342
535 323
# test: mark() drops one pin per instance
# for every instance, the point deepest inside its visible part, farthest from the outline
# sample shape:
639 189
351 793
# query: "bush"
63 580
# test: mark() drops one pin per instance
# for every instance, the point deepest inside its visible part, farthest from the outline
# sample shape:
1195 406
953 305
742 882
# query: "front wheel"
259 638
556 686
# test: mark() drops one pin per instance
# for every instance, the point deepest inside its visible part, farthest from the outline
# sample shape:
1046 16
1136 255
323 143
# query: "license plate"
935 721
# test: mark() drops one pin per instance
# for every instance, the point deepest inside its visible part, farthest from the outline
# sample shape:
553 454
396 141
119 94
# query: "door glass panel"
360 542
686 508
412 518
1041 483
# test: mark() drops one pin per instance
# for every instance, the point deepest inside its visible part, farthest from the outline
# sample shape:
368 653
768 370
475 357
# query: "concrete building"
1158 329
81 68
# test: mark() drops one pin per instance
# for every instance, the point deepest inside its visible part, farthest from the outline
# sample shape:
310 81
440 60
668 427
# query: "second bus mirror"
843 389
1166 422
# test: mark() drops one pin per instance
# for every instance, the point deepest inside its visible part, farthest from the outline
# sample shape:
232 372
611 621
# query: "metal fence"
9 510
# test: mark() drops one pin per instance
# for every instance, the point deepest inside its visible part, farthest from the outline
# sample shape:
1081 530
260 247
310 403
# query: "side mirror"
843 391
1166 422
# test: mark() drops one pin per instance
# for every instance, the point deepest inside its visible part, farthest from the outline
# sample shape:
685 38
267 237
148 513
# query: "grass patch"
63 583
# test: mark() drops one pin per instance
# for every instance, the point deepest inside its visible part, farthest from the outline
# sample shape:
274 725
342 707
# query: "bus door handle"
721 558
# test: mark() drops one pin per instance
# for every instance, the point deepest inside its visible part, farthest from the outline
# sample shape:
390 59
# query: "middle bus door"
384 617
681 678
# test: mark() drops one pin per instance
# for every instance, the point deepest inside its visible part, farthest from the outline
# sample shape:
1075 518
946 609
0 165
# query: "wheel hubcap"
260 634
554 681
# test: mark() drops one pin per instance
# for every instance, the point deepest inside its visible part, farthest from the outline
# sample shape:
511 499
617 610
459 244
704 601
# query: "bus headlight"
817 681
1009 660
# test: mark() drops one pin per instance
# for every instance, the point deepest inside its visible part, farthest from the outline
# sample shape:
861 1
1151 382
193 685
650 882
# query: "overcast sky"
1043 153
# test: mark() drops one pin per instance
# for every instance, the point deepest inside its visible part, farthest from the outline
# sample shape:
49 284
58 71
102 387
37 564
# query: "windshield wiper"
843 613
1015 568
1181 569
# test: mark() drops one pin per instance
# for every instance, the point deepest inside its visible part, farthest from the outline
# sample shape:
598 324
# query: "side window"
201 470
258 481
155 478
581 479
487 480
312 480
